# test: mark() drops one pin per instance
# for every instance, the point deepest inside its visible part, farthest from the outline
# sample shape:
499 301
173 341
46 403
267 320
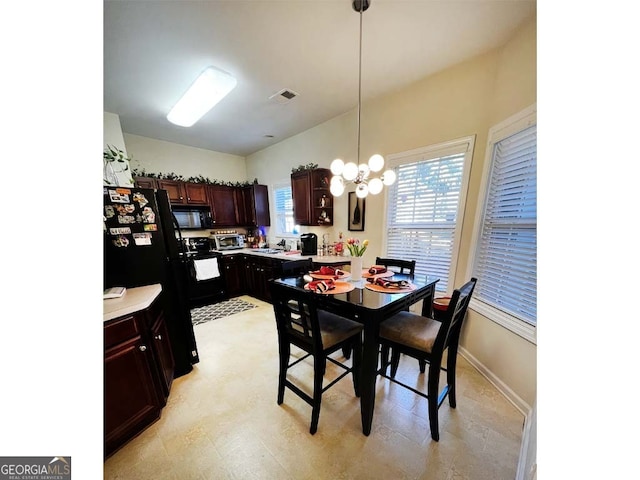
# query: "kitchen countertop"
324 259
134 300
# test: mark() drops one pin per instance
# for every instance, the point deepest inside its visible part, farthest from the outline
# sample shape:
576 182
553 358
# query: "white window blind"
284 209
505 260
422 215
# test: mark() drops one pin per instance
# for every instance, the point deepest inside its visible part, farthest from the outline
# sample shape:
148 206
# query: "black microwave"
193 218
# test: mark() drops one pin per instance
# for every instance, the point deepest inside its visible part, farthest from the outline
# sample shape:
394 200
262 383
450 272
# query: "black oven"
206 278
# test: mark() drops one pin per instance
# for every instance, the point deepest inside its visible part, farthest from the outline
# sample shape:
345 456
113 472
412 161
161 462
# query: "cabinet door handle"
188 199
142 348
158 337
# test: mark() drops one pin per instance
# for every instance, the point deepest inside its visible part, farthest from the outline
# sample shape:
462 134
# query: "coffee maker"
309 242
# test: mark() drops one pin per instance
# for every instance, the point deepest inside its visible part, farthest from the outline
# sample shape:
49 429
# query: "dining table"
370 308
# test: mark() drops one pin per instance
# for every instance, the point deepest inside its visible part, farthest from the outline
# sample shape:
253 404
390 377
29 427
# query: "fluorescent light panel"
209 88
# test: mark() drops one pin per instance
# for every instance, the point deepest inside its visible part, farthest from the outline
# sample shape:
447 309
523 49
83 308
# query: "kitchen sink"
268 250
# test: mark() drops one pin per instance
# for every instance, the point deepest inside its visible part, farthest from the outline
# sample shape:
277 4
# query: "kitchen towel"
206 269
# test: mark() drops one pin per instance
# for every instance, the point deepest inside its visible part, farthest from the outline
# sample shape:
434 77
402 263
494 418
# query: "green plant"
355 248
110 156
302 168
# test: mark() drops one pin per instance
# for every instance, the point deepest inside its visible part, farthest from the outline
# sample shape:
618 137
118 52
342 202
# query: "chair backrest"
401 266
297 268
296 315
449 333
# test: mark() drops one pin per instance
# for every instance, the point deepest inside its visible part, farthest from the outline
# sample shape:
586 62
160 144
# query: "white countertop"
134 300
328 259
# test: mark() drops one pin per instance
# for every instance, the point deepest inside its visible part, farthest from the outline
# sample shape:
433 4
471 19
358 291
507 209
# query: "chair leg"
384 358
432 392
285 352
346 351
423 365
319 364
452 356
395 361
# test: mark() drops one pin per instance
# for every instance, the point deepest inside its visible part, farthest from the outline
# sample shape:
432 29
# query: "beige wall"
466 99
158 156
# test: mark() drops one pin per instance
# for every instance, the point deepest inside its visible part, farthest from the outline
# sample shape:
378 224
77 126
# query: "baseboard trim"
522 406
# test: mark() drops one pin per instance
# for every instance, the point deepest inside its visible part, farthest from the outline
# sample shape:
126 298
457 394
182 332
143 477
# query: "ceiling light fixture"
209 88
359 173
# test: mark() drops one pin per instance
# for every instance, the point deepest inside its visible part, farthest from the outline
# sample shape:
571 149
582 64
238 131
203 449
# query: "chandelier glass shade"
363 175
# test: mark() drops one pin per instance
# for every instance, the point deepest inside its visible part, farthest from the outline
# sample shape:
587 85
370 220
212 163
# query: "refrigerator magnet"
124 219
120 231
121 241
142 238
117 197
150 227
148 216
140 198
109 212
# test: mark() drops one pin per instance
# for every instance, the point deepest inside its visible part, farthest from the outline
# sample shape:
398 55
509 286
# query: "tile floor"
222 421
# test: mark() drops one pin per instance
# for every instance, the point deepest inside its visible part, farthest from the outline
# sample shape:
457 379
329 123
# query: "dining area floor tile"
222 421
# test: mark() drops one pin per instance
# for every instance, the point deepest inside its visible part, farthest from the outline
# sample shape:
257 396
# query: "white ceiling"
153 50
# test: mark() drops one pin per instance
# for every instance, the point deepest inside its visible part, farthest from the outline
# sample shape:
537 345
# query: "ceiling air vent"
283 96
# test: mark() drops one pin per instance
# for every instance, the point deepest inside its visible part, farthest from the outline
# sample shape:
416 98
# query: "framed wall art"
356 213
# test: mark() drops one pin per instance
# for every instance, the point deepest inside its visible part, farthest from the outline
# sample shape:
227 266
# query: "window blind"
423 212
506 256
284 209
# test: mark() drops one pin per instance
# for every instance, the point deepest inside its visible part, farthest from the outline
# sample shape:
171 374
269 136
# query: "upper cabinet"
312 200
253 206
230 206
184 193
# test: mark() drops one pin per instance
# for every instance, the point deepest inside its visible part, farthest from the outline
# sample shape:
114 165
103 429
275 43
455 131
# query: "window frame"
463 145
512 125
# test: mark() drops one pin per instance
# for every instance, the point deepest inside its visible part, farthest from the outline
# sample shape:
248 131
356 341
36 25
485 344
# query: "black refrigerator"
143 246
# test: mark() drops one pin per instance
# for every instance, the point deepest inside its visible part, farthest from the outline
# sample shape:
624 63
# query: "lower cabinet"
138 372
234 274
258 271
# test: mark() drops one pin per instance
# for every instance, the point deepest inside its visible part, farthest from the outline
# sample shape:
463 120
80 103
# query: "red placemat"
366 274
340 287
381 289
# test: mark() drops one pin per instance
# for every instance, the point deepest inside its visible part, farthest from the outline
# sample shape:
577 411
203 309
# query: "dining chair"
302 323
296 268
397 265
426 339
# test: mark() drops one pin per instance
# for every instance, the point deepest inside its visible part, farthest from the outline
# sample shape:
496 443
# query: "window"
506 240
284 209
425 205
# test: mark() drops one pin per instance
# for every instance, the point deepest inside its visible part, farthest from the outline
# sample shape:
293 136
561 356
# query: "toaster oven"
228 242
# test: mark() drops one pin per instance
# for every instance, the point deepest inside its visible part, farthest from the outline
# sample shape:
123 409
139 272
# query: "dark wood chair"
296 268
318 333
426 339
397 265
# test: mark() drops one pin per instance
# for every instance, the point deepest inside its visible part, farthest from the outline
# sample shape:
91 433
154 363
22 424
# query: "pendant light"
360 174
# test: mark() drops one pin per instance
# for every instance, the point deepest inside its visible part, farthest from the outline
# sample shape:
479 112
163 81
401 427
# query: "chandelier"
360 174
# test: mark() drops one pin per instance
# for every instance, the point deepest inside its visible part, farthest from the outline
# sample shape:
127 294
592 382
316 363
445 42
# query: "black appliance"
309 242
209 290
193 217
141 247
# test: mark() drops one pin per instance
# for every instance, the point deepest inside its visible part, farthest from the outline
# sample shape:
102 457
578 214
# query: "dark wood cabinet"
138 372
253 206
258 271
312 200
145 182
184 193
234 274
223 205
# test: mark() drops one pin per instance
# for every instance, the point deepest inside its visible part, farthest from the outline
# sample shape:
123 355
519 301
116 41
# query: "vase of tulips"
356 249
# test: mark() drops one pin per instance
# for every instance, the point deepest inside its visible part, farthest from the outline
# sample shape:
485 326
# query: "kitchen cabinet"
185 193
138 372
223 205
145 182
312 200
253 206
234 274
258 271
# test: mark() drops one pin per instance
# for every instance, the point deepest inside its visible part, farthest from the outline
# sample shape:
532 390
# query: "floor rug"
219 310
